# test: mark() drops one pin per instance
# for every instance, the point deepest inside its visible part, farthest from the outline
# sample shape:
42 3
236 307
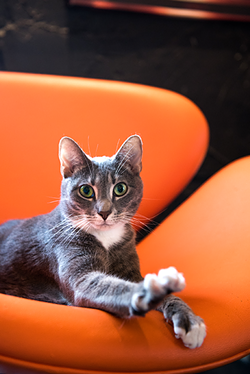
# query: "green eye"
87 191
120 189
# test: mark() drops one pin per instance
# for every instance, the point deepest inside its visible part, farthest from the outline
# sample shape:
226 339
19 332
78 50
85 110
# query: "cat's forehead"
104 170
102 160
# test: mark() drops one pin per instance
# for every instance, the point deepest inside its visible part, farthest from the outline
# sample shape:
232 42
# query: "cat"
83 252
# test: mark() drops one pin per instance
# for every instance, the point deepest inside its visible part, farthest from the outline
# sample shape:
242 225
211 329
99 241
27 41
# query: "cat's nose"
104 214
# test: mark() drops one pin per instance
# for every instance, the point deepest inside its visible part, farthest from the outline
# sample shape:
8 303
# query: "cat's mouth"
107 224
102 225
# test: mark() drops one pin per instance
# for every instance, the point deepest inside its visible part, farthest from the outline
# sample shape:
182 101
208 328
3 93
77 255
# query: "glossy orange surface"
207 238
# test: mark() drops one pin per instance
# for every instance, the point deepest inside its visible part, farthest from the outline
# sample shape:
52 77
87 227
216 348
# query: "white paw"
194 338
171 279
156 287
153 285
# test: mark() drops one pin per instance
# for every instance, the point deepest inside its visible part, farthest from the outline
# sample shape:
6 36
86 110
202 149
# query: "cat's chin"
102 227
105 226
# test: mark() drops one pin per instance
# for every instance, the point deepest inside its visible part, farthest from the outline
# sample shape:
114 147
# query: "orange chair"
205 238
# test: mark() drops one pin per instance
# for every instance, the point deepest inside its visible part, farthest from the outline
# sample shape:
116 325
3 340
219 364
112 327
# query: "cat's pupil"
86 190
120 188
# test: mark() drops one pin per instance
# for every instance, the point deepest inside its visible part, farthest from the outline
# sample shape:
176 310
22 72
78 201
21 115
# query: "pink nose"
104 214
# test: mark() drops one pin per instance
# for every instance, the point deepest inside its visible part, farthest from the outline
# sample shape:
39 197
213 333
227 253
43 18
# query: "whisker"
66 219
151 219
141 222
58 200
61 223
62 232
123 162
141 225
117 145
68 239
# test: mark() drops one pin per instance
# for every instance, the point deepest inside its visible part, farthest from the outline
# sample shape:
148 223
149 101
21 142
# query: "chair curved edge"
10 365
208 239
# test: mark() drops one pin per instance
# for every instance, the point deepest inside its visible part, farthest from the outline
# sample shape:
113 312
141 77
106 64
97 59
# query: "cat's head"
101 192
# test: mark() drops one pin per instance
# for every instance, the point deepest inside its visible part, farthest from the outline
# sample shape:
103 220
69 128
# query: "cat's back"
24 236
7 228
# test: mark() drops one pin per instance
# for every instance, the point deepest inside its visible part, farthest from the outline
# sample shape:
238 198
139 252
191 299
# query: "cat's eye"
120 189
87 191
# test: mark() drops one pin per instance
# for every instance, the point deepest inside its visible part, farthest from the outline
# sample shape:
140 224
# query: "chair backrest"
37 110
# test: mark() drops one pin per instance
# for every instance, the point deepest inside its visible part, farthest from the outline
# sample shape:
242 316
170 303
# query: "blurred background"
200 49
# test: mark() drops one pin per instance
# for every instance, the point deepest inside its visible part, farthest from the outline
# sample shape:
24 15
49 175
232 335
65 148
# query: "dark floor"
207 61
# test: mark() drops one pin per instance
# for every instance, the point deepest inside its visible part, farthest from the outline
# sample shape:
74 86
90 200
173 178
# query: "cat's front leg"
187 326
120 297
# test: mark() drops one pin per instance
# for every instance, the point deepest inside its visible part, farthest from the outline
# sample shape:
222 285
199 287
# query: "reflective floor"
207 61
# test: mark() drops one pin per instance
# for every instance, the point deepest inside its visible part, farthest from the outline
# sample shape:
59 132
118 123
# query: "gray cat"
83 252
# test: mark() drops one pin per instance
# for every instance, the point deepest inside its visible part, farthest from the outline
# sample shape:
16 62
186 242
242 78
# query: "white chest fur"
109 237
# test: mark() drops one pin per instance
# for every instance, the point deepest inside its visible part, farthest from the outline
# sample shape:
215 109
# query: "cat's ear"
130 153
71 156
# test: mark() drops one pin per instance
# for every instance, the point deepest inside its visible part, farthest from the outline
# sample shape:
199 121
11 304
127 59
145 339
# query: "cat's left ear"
130 153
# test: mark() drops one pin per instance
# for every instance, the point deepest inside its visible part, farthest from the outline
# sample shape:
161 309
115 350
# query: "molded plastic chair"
207 238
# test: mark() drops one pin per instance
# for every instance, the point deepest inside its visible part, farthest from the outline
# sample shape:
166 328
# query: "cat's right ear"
71 156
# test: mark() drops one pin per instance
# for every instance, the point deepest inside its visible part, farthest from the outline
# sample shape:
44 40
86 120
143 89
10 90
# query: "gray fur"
58 257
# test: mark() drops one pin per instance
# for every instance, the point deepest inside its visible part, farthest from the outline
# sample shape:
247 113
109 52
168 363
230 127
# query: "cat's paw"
194 337
152 290
156 287
171 279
